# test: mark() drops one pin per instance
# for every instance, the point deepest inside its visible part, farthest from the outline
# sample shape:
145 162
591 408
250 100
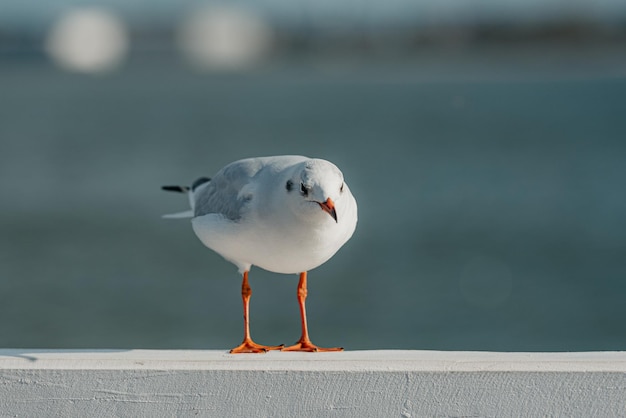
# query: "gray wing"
222 194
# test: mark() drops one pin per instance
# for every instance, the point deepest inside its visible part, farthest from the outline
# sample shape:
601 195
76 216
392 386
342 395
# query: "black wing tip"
185 189
199 182
179 189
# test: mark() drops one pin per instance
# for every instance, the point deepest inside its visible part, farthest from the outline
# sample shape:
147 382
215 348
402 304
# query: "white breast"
285 247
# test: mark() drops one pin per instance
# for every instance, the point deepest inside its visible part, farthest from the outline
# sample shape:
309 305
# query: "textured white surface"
148 383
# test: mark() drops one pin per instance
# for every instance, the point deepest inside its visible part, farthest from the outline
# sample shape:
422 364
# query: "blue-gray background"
489 176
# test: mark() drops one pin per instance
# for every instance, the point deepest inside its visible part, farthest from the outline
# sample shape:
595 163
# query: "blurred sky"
31 14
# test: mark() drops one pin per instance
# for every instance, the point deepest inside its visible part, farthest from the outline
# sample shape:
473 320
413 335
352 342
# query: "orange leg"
305 344
249 346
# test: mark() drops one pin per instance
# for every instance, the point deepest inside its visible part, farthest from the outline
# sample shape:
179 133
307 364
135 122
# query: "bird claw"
249 346
308 346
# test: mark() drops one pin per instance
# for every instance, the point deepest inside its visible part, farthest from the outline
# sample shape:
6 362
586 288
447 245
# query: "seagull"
286 214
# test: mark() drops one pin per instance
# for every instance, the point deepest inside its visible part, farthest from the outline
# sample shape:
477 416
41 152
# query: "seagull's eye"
303 189
341 188
289 185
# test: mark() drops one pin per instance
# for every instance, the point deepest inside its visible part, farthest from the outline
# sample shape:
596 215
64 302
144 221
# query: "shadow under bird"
286 214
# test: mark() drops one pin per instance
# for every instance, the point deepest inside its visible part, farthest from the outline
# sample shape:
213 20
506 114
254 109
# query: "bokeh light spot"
224 38
88 40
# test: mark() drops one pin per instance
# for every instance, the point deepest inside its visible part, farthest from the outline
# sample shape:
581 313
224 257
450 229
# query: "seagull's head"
317 187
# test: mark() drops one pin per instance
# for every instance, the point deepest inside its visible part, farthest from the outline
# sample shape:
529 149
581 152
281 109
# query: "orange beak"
329 207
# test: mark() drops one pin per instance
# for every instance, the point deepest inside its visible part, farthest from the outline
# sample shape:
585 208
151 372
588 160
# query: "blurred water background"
484 142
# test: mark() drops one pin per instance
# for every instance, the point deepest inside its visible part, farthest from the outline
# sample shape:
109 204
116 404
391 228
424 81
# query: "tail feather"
179 215
189 190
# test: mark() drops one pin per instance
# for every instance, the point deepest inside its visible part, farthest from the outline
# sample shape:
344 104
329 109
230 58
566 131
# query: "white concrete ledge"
151 383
